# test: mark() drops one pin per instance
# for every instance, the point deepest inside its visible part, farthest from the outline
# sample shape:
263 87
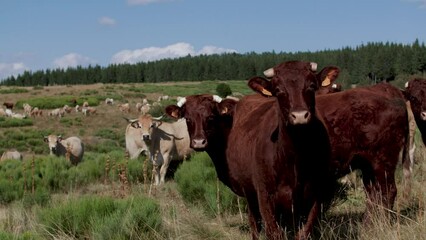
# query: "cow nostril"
307 115
145 137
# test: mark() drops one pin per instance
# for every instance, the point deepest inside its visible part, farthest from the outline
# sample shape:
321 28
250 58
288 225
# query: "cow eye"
312 87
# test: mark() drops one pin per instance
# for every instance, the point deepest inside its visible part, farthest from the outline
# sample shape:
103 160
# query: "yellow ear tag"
266 92
326 82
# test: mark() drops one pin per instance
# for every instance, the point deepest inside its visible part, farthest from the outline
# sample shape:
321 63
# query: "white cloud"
72 60
107 21
145 2
11 69
172 51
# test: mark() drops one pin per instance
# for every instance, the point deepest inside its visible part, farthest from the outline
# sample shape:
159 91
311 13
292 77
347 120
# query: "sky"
50 34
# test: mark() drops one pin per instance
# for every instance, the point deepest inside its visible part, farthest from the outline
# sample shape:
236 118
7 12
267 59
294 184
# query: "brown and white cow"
278 152
368 128
209 120
166 142
61 147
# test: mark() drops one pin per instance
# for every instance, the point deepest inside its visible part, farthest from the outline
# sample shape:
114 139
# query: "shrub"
197 183
223 90
102 218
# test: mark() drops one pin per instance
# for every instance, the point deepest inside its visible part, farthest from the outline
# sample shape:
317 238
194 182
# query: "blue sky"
41 34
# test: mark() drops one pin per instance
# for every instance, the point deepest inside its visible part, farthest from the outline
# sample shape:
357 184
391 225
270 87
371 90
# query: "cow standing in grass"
72 148
166 142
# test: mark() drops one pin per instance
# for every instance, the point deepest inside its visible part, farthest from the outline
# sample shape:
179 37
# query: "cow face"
53 141
415 92
146 123
203 115
293 84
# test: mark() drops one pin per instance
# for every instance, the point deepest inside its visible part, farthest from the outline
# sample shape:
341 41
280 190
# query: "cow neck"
422 127
217 151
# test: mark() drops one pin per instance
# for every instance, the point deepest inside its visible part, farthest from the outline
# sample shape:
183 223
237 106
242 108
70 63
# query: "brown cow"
8 105
368 127
209 120
278 152
415 92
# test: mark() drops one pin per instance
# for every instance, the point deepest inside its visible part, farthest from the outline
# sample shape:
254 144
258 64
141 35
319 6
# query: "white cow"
109 101
134 144
11 154
166 142
59 147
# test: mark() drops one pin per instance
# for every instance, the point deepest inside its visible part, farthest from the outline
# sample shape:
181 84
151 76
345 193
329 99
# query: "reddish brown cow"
209 120
415 92
368 127
8 105
278 152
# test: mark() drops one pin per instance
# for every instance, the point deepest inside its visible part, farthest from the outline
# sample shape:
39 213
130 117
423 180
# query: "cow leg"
306 230
164 167
267 211
380 188
155 158
255 220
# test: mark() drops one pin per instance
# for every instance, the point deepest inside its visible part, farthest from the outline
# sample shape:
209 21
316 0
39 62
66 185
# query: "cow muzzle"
146 137
299 117
200 143
423 115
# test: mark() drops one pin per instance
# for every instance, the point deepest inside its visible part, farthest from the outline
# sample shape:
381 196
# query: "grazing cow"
57 112
8 105
164 97
278 152
27 108
66 109
145 109
368 128
134 143
36 112
72 148
209 120
125 107
18 115
88 110
11 154
138 107
415 92
85 104
166 142
109 101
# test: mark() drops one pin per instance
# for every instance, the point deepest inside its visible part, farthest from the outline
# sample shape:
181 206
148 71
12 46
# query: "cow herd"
284 147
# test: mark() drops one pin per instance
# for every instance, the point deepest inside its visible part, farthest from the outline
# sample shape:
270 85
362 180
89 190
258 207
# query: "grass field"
109 197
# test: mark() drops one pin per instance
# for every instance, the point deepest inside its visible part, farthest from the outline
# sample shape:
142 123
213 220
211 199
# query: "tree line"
365 64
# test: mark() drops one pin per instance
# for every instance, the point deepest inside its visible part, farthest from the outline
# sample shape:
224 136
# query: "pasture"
108 196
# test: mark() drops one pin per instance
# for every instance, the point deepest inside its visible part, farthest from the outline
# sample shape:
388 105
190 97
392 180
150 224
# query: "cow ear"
328 75
227 107
174 111
59 138
134 124
261 85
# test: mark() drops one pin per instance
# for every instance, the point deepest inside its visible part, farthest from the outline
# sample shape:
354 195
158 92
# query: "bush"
197 183
96 217
223 90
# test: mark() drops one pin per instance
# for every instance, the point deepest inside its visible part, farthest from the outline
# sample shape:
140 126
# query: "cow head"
146 123
203 115
294 84
327 77
415 92
53 141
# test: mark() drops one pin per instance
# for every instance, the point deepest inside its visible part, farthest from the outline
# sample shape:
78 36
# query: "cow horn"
269 72
181 102
217 99
406 84
157 118
314 66
334 86
130 120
